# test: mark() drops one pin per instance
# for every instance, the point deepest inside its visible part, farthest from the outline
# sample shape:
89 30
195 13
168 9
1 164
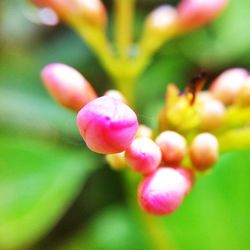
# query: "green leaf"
215 215
38 182
35 114
115 228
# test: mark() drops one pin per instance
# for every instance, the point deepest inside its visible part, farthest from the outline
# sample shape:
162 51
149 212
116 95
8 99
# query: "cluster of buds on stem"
192 123
189 125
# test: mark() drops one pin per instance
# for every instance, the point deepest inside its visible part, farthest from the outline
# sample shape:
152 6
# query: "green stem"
126 86
124 14
98 42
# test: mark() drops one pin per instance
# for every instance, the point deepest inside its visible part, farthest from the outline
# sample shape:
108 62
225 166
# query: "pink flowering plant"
162 162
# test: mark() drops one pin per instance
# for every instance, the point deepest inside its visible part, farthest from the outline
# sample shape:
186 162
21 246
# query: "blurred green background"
56 194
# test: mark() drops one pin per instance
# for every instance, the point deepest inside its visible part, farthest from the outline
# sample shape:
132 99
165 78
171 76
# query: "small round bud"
162 192
243 97
67 86
116 94
173 147
93 11
144 131
160 25
227 85
205 96
212 114
116 161
162 19
107 125
143 155
204 151
196 13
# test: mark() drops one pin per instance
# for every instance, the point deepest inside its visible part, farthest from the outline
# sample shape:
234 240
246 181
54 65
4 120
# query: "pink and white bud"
143 155
144 131
204 96
204 151
67 86
212 114
91 11
116 94
162 192
196 13
107 125
227 85
173 147
163 19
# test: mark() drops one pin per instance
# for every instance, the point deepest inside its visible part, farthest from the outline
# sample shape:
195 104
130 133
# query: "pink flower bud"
204 151
67 86
211 114
196 13
143 155
144 131
162 192
116 94
173 147
107 125
91 11
228 84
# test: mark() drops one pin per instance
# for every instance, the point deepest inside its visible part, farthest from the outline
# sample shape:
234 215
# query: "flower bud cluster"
109 126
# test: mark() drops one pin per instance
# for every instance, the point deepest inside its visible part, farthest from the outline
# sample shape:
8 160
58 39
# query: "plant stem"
126 86
124 14
98 42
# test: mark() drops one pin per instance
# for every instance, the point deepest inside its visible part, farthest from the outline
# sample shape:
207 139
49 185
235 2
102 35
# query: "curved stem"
98 42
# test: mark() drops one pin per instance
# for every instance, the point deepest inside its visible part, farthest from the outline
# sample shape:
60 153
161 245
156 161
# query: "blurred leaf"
113 229
38 181
35 115
216 213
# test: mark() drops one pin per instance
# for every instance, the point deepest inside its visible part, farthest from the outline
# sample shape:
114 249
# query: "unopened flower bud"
173 147
162 192
159 26
227 85
196 13
212 114
67 86
144 131
162 20
107 125
116 161
204 151
91 11
243 97
116 94
204 96
143 155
